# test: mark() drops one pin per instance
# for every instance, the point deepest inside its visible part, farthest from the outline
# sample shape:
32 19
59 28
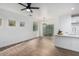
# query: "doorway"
48 29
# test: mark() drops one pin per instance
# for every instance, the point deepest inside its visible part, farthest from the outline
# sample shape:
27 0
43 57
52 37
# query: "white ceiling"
50 10
54 10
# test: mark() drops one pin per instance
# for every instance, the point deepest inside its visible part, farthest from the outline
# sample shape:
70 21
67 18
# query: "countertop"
69 35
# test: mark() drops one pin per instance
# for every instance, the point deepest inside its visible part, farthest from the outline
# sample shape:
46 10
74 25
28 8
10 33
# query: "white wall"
10 35
65 24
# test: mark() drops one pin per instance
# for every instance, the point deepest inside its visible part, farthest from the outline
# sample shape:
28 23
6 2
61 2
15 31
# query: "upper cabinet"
75 20
75 25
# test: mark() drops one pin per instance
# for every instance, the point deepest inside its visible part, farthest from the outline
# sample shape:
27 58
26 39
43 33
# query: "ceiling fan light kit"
28 10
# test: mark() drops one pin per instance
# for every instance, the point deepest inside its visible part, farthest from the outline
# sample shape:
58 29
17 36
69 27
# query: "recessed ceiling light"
72 8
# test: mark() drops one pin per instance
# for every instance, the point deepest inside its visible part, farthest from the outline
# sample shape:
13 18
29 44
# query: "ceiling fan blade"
23 9
22 4
34 7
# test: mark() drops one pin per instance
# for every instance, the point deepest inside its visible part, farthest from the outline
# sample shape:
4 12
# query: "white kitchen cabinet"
67 42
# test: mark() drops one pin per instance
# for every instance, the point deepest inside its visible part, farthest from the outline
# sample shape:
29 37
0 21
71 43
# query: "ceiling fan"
28 7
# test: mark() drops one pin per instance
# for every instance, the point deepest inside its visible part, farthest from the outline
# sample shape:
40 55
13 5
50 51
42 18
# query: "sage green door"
48 29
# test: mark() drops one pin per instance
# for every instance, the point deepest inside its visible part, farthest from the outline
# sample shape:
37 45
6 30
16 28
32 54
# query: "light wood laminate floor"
37 47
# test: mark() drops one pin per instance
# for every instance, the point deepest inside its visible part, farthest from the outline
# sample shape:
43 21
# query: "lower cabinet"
70 43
